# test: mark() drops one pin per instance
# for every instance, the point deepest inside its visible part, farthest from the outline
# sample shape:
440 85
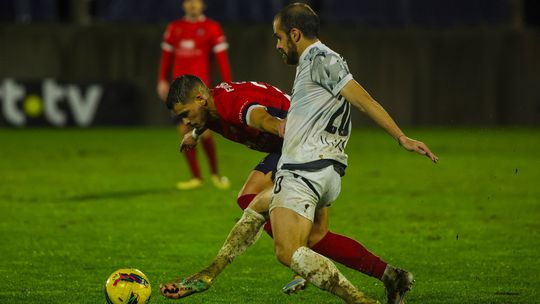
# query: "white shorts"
305 192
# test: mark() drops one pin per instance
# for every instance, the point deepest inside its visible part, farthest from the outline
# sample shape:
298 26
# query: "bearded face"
285 45
291 56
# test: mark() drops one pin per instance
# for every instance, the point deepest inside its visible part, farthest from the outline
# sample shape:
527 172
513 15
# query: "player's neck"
194 18
303 44
211 106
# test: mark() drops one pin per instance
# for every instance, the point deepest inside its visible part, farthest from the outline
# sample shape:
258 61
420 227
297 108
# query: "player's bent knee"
283 255
316 235
261 202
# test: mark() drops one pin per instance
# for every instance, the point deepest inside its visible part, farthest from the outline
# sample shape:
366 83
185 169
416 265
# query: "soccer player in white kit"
313 154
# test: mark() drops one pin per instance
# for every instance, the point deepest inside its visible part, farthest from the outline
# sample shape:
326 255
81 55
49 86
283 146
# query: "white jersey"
319 119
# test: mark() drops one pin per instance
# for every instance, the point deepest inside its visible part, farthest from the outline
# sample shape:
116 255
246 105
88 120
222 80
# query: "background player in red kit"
186 49
251 114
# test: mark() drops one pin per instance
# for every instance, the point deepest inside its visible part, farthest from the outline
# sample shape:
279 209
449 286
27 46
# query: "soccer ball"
127 286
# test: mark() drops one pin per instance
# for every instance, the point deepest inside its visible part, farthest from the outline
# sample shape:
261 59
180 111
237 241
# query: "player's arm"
261 120
219 47
354 93
190 139
165 63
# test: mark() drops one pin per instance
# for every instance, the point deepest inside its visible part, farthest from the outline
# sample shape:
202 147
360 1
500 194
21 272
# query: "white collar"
306 51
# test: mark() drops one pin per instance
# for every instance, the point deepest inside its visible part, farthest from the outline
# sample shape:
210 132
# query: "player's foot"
190 184
221 182
198 282
397 283
298 283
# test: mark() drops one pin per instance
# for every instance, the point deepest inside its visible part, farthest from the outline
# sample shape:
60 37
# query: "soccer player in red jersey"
252 114
186 49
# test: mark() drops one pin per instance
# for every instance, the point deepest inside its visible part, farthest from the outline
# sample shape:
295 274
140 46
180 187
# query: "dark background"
445 63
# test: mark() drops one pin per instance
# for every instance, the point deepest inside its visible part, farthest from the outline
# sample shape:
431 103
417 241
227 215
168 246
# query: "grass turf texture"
77 204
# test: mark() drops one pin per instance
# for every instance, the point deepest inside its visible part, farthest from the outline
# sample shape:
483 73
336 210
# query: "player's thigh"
262 175
320 226
290 230
256 182
261 202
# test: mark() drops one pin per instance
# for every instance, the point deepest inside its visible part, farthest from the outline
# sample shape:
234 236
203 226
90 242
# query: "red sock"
351 254
210 151
268 228
191 157
244 200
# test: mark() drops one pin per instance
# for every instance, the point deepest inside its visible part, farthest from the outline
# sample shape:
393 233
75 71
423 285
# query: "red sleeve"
164 65
219 47
238 110
222 59
231 105
166 54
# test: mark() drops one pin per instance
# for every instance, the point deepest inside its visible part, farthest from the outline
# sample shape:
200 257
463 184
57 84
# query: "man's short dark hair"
300 16
181 89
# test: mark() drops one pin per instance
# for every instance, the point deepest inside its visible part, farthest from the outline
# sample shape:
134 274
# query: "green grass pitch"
77 204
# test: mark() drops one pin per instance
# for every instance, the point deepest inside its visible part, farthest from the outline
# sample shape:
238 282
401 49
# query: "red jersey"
188 45
235 100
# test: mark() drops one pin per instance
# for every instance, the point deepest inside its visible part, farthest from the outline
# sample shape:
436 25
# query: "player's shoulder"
321 54
324 61
228 101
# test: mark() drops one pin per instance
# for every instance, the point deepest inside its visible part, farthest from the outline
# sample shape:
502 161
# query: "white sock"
244 234
322 272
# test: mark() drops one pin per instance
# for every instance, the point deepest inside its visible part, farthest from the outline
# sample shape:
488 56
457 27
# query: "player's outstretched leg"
397 283
244 234
182 288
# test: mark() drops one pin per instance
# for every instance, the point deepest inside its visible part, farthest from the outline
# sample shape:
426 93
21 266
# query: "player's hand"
163 89
188 142
417 146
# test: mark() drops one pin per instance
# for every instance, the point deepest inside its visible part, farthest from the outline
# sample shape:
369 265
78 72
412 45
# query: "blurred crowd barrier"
469 76
367 12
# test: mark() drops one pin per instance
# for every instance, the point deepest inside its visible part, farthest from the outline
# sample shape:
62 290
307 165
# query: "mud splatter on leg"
244 234
321 272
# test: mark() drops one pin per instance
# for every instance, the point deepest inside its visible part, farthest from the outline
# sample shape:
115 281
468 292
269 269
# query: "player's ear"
295 34
200 96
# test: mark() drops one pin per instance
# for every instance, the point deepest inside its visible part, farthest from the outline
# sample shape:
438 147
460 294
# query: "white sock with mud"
321 272
244 234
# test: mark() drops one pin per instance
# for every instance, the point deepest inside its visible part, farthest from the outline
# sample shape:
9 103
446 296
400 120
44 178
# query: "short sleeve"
330 71
239 111
218 39
167 44
233 107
